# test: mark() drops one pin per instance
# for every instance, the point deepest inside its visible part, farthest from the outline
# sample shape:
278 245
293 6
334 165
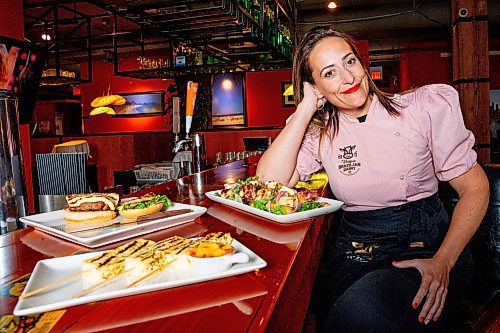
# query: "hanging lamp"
103 104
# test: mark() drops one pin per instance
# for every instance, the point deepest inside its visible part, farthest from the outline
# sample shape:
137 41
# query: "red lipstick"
353 89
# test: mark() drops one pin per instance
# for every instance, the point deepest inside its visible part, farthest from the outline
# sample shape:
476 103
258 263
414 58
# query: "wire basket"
154 173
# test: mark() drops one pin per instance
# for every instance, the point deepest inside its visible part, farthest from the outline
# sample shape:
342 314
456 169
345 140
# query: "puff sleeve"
442 124
308 161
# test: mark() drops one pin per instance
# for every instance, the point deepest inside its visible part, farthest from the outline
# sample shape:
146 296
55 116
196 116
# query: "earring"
322 104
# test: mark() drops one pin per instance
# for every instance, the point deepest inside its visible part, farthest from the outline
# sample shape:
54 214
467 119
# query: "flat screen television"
21 67
256 143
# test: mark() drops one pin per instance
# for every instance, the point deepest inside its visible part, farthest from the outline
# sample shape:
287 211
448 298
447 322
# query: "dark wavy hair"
302 72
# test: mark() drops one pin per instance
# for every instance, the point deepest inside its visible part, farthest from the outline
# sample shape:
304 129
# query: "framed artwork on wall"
287 101
141 104
228 99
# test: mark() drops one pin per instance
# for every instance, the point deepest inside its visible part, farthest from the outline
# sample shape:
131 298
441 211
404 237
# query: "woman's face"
339 76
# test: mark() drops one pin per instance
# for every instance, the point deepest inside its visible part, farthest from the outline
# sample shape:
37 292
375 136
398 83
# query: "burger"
91 207
144 205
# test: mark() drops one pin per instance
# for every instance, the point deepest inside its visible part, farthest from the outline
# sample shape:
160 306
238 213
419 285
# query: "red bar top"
274 298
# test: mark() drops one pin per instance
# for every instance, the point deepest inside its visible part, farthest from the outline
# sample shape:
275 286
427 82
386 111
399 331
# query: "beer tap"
184 144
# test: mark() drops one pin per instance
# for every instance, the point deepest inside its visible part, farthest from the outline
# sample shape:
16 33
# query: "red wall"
263 98
103 78
11 19
428 67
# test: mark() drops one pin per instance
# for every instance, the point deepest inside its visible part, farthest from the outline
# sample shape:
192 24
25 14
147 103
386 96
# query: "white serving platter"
59 297
51 223
289 218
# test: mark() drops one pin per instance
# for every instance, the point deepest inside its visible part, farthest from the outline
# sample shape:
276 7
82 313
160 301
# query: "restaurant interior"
177 66
100 48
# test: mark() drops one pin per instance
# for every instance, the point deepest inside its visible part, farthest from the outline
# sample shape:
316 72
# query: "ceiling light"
227 84
46 37
332 5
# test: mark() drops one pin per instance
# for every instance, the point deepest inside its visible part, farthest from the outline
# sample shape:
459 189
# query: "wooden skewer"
147 276
50 285
100 284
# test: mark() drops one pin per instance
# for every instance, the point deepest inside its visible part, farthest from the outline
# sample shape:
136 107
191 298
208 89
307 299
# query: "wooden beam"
471 68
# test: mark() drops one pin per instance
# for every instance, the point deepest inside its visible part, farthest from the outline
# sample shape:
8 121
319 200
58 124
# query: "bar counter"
274 298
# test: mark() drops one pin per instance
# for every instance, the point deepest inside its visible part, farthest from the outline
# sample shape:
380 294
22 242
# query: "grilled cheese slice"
175 246
113 262
157 256
145 262
218 237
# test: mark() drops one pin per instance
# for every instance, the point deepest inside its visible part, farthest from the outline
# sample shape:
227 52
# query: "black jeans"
368 293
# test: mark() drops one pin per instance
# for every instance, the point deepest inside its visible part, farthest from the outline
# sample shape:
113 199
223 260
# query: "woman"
397 259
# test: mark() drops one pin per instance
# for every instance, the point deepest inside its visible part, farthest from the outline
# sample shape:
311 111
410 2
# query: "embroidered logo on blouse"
348 163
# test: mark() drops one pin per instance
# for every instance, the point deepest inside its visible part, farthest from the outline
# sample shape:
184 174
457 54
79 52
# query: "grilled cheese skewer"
113 262
218 237
157 256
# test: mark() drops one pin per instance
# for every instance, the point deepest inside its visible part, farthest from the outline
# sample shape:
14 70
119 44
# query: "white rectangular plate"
58 297
293 217
98 237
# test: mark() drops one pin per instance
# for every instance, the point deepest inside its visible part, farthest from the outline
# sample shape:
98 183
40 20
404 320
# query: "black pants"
368 293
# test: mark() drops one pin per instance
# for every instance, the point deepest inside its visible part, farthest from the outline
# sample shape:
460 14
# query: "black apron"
371 240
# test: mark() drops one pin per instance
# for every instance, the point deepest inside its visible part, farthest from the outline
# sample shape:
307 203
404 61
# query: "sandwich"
144 205
91 207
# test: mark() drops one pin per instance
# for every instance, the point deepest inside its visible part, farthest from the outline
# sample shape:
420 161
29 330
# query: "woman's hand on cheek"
433 288
311 101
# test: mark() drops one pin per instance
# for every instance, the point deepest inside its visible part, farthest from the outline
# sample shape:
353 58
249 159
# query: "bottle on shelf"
218 159
180 57
269 24
255 10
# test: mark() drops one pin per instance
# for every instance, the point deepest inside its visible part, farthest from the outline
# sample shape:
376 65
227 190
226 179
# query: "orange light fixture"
101 110
332 5
104 104
107 100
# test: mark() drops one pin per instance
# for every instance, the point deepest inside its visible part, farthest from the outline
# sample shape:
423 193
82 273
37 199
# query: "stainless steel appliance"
12 183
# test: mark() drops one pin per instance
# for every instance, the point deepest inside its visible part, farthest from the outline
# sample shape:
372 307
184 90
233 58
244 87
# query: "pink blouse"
390 160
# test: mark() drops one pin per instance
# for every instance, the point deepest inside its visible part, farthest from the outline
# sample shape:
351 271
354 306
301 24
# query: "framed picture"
495 115
228 99
141 104
289 100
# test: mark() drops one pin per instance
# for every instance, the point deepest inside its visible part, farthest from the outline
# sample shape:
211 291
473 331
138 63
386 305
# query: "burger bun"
135 213
88 216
